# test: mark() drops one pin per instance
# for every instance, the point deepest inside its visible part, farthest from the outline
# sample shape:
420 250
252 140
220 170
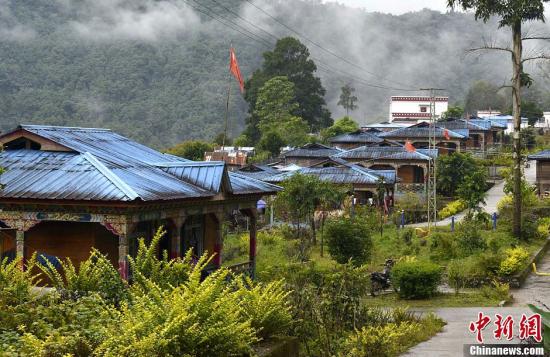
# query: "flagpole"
226 115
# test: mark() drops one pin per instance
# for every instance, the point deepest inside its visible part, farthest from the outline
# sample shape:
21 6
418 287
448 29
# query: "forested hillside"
157 71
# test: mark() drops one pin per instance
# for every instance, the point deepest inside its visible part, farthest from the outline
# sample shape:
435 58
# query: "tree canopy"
290 59
347 99
191 149
341 126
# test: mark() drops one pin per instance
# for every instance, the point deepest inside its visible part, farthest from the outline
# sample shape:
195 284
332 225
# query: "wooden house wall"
71 239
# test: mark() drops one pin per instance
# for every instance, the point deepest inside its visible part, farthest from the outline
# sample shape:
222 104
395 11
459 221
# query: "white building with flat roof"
415 109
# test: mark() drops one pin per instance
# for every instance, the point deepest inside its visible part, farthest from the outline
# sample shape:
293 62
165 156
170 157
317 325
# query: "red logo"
504 327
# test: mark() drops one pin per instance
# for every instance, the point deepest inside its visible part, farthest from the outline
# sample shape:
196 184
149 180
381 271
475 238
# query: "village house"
356 139
483 135
309 154
234 157
363 182
67 190
447 140
542 159
410 166
415 109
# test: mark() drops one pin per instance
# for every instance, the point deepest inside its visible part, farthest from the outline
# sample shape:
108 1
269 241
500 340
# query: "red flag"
409 147
235 70
446 134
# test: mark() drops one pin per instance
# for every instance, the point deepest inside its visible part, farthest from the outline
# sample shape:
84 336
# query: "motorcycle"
380 281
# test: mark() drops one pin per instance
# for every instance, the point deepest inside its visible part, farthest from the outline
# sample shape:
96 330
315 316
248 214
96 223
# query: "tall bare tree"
512 14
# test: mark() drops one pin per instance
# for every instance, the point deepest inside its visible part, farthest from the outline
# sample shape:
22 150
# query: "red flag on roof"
235 70
409 147
446 134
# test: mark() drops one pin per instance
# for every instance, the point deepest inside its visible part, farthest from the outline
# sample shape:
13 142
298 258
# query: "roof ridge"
62 127
111 176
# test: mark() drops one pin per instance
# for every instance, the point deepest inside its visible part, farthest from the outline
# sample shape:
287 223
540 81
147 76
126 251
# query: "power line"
323 48
254 36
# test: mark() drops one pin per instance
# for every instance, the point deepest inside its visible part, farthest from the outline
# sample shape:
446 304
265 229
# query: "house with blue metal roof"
362 182
542 159
447 140
410 166
67 190
483 136
355 139
309 154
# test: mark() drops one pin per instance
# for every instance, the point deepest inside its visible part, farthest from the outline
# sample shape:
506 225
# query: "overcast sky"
394 6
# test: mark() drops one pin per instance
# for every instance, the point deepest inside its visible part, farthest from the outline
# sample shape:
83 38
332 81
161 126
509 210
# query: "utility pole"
431 189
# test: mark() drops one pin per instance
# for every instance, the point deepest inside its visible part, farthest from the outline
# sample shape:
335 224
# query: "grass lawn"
469 299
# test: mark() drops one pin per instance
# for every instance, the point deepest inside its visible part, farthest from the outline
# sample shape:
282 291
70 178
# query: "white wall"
413 105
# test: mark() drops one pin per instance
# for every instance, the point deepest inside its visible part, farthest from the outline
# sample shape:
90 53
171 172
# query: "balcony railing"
241 268
404 188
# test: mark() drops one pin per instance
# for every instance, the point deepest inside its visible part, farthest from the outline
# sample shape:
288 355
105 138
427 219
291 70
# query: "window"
423 109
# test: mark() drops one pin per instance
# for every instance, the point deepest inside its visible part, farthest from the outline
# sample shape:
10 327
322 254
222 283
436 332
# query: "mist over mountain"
157 71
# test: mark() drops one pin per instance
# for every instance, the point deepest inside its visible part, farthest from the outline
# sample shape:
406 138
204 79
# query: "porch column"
20 247
218 245
176 237
123 251
252 245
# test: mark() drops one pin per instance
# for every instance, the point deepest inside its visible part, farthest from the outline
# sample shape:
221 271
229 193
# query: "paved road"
494 195
450 342
536 288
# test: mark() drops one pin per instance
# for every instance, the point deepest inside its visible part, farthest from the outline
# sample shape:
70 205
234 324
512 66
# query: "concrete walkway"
536 288
494 195
450 342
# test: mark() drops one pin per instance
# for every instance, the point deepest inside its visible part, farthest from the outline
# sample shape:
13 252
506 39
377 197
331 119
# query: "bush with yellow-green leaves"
170 309
516 259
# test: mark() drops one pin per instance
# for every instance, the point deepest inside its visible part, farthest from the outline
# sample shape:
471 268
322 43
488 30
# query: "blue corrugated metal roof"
386 152
102 143
351 174
356 137
115 169
312 150
258 171
457 124
422 130
541 155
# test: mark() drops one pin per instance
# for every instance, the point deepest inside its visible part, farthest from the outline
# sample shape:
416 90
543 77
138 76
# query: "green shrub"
543 228
391 339
496 291
443 246
348 239
166 273
416 279
516 259
94 275
407 236
452 208
469 238
194 319
469 272
266 306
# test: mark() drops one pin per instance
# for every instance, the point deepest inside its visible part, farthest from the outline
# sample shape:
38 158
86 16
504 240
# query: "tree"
512 14
191 149
289 58
274 108
271 142
347 99
303 194
348 240
341 126
528 138
455 112
452 170
473 189
219 140
482 96
530 110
